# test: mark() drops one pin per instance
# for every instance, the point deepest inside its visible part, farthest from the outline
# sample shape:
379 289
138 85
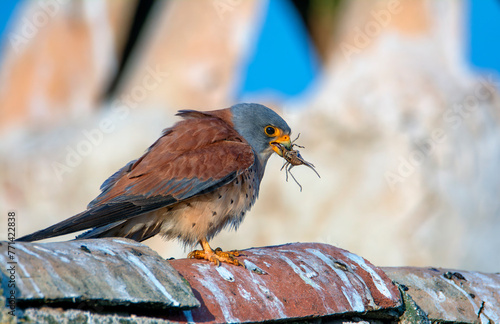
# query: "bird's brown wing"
196 156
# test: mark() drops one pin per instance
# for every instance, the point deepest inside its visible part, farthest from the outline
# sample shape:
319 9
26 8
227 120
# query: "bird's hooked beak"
283 140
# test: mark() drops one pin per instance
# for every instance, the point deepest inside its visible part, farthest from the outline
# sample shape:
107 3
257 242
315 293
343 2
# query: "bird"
202 175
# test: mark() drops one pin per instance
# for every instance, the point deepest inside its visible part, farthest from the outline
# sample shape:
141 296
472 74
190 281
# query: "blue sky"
284 63
6 10
484 34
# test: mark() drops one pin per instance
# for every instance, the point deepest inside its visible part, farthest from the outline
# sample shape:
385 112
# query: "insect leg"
290 171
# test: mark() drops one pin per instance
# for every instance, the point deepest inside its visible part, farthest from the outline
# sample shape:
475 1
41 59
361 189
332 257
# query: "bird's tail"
66 226
73 224
104 219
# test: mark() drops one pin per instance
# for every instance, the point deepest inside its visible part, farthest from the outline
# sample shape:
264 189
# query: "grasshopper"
293 158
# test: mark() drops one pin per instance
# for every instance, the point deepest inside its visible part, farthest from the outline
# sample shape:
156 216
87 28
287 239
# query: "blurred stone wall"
404 135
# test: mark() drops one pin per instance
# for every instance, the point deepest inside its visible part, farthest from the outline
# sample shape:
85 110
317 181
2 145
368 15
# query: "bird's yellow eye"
270 130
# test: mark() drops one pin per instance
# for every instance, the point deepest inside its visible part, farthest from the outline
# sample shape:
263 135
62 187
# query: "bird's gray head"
262 128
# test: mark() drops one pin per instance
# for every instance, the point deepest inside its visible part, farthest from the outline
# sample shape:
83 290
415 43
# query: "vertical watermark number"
12 262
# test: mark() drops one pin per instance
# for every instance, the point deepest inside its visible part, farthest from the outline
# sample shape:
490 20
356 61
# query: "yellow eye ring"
270 131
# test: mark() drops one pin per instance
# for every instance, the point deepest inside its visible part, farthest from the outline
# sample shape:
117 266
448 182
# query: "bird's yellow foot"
216 256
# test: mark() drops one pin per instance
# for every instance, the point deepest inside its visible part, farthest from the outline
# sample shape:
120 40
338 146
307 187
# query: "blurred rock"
201 47
58 58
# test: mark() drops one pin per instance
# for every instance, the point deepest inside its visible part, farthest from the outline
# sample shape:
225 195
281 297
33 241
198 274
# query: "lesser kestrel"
199 177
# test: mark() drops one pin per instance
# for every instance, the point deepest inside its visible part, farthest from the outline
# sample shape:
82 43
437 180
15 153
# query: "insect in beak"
293 158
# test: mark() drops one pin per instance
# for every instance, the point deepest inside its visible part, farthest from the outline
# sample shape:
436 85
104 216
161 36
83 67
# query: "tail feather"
95 217
102 231
67 226
116 230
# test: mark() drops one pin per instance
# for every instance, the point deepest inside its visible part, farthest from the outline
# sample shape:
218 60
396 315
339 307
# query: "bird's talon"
216 256
215 260
196 254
